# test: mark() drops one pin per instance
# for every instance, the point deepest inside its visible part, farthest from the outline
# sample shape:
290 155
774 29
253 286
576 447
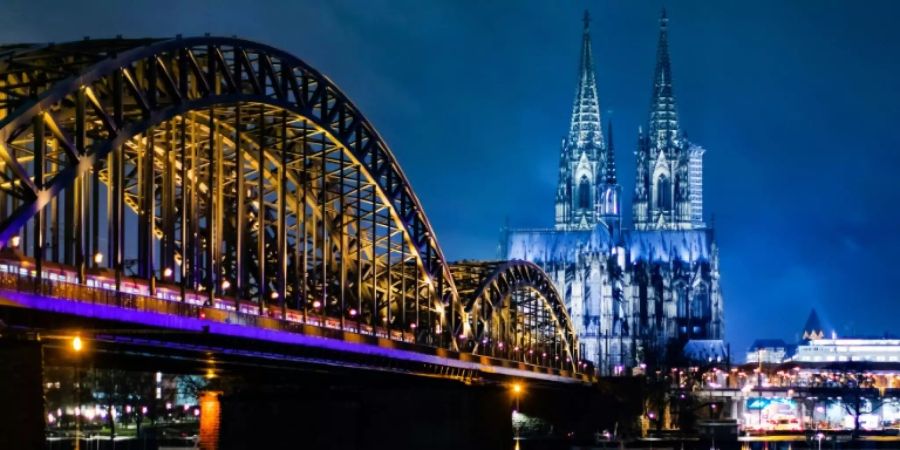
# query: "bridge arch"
514 311
232 169
102 123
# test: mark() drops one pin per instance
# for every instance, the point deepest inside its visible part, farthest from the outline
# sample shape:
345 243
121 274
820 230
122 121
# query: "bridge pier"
21 394
398 414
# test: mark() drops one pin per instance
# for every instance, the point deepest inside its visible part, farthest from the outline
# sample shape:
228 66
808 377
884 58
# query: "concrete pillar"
21 394
210 419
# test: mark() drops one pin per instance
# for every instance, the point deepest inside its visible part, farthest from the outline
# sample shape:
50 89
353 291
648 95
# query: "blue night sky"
796 103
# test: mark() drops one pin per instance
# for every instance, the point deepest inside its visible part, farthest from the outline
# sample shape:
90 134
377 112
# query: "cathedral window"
699 305
663 193
584 193
681 295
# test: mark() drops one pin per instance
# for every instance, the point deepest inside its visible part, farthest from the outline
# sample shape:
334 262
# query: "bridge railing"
98 288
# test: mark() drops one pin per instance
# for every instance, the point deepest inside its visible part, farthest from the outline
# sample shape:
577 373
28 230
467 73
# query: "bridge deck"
59 292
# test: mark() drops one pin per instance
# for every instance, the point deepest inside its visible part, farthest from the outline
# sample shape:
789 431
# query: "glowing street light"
225 285
14 241
77 345
167 272
517 392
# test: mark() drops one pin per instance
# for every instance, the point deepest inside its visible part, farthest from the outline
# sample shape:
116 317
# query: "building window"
682 297
699 306
663 193
584 193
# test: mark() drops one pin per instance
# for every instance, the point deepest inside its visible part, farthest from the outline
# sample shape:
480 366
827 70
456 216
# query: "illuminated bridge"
218 200
222 186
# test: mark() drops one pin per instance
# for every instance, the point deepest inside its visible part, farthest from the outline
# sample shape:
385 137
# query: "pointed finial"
587 20
610 155
663 129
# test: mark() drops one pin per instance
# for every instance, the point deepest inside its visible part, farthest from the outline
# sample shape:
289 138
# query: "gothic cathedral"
645 296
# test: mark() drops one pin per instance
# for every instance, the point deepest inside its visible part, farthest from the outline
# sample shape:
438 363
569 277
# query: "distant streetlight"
98 258
517 392
225 285
167 272
77 345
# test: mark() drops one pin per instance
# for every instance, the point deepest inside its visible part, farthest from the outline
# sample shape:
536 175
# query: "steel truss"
513 311
227 167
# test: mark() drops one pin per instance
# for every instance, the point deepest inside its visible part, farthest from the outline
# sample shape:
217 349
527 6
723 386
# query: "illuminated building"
637 296
815 348
768 351
845 350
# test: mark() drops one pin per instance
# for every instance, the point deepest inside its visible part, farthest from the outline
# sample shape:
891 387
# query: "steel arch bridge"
226 174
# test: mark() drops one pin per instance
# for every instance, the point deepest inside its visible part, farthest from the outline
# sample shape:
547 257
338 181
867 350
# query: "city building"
814 347
638 295
848 349
769 351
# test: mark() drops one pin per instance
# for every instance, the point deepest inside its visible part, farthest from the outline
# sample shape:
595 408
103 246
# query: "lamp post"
77 346
517 392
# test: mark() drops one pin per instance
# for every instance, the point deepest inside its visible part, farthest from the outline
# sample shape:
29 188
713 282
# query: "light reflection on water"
772 445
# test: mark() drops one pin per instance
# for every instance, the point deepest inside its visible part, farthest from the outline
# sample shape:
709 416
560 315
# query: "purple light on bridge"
152 319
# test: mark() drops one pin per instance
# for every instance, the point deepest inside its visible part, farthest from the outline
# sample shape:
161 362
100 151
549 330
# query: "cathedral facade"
644 295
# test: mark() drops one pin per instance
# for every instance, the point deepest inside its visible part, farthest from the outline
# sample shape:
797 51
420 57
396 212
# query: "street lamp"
517 392
98 258
77 346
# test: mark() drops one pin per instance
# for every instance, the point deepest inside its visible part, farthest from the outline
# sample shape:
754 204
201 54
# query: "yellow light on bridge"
77 345
517 388
98 258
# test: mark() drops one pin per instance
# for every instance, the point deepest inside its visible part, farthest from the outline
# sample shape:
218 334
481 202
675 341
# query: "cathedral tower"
645 297
668 193
582 158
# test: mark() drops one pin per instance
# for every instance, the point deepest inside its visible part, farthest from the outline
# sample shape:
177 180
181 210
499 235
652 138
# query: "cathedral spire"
583 153
586 126
663 116
610 156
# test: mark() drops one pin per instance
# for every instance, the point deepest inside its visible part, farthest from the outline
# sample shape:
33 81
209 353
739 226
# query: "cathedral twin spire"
585 128
663 116
668 182
584 159
668 193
